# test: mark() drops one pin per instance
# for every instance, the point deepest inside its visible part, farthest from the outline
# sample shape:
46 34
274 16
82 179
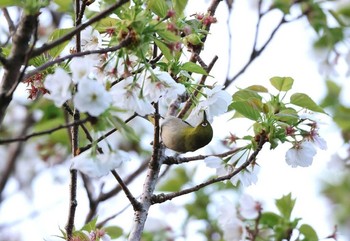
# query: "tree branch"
46 132
78 28
135 204
12 27
160 198
105 196
140 215
256 52
82 149
75 149
122 44
171 160
16 59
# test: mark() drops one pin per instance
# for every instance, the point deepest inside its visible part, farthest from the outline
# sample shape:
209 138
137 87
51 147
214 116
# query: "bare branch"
256 52
170 160
12 27
73 179
82 149
136 205
105 196
16 59
140 215
46 132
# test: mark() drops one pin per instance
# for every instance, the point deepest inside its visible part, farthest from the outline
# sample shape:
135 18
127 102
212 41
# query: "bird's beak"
204 116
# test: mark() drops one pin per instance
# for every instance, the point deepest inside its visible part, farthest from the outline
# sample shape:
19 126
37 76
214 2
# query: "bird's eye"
204 124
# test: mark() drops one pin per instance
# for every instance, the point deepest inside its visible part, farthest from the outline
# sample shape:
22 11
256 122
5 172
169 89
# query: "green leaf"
308 232
345 10
247 108
64 5
285 205
282 83
167 35
305 101
198 208
90 226
165 50
106 23
39 60
81 236
332 97
114 231
58 33
8 3
316 16
192 67
269 219
258 88
244 95
159 7
176 181
342 117
179 7
288 115
283 5
126 130
330 37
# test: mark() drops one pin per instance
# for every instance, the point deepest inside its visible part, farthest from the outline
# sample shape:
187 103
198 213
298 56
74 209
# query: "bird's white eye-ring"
204 124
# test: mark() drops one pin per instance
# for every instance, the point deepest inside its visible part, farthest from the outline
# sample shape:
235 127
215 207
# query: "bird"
178 135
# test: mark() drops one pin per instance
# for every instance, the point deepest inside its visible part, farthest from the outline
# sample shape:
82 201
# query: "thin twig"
12 27
135 204
170 160
82 149
105 196
103 222
75 150
256 52
46 132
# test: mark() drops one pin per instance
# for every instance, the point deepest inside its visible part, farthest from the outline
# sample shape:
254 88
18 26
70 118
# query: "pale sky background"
289 54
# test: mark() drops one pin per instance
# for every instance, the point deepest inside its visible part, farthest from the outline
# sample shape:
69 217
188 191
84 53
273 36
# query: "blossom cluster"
231 219
96 84
304 150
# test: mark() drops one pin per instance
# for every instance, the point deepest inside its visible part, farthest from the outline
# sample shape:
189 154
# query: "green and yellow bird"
180 136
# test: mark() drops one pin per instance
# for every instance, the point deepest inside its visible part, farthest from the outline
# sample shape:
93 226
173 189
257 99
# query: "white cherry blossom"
92 97
59 86
232 227
127 95
160 84
98 165
81 68
247 177
90 39
248 207
301 154
216 103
